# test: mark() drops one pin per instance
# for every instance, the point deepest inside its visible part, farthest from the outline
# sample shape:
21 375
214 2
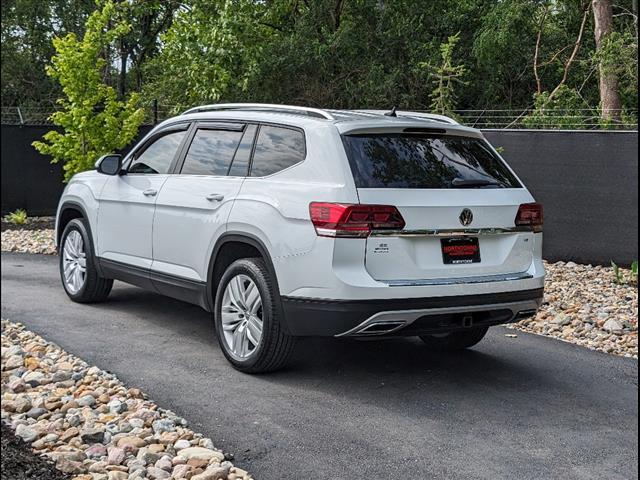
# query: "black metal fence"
587 180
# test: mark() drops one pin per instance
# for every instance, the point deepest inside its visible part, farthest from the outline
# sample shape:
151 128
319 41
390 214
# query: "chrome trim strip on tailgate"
505 277
450 232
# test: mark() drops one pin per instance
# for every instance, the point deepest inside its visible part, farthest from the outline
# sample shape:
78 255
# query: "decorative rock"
612 325
147 457
180 471
157 473
156 448
34 379
89 424
69 466
213 473
201 453
115 475
96 451
131 441
17 385
138 475
181 444
163 425
116 456
86 401
26 433
22 404
14 361
165 463
92 435
116 406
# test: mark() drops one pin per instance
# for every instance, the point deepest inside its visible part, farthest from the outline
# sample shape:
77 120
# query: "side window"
157 157
211 152
276 149
240 165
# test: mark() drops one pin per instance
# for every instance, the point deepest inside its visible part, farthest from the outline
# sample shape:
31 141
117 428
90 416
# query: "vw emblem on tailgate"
466 217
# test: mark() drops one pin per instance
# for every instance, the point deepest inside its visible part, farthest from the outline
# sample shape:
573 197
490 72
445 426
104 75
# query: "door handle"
150 192
215 197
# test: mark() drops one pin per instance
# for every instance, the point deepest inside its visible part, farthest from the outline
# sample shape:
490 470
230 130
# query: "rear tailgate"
434 215
458 199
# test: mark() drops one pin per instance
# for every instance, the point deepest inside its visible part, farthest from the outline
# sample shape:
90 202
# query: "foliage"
93 120
26 32
334 53
209 51
619 55
566 110
445 78
621 278
18 217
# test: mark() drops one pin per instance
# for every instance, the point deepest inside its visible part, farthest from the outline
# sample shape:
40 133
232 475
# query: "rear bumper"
406 316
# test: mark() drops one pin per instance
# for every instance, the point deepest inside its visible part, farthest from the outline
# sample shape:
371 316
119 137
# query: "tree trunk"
609 94
122 78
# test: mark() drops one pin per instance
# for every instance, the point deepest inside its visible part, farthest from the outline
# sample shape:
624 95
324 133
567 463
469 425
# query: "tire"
92 287
455 340
272 349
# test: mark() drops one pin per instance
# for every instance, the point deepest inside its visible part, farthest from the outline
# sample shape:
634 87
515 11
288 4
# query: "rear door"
447 188
194 203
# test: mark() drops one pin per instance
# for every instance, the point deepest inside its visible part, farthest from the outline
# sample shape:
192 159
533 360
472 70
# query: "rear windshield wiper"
474 182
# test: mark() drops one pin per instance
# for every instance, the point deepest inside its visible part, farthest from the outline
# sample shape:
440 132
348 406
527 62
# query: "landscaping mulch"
20 463
33 223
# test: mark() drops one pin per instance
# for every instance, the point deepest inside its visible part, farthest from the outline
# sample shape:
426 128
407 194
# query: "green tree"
209 53
446 77
26 33
93 121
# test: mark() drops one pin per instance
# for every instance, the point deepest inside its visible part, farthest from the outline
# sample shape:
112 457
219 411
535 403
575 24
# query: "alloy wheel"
241 317
74 262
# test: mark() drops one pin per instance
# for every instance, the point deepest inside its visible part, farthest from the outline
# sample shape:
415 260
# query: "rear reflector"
353 220
530 215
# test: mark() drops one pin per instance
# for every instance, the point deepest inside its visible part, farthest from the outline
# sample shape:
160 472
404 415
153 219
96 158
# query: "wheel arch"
232 246
70 210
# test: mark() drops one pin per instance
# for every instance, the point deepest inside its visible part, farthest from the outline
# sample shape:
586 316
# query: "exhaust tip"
526 314
380 328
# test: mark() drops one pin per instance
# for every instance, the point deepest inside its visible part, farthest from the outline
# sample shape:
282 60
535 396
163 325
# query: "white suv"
289 221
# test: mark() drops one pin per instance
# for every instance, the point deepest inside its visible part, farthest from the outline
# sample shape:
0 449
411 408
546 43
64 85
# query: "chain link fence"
587 119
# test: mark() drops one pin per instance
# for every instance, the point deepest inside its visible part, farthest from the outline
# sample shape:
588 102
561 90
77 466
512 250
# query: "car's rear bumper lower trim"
410 316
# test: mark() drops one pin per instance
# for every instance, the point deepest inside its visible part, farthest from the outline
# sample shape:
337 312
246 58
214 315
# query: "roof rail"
316 112
417 115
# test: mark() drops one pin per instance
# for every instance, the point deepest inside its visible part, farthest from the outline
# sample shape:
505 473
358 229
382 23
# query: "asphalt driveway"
526 408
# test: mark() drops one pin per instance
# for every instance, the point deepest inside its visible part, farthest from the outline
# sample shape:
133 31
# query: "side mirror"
109 164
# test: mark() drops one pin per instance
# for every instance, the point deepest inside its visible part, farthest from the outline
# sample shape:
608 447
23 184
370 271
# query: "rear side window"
277 148
425 161
211 152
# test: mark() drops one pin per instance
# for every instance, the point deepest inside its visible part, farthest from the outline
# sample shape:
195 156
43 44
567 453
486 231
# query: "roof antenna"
392 113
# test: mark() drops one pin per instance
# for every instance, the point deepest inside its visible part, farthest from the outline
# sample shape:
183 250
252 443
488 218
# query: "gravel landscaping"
583 303
91 425
35 236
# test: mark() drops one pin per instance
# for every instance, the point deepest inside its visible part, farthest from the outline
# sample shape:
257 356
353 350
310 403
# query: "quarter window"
157 157
211 152
277 148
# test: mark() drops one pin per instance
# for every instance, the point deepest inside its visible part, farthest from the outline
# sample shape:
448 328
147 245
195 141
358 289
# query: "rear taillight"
530 215
353 220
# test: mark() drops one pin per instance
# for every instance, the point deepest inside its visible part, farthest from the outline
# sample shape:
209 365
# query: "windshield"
425 161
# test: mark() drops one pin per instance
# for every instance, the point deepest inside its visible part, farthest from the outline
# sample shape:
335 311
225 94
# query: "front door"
127 201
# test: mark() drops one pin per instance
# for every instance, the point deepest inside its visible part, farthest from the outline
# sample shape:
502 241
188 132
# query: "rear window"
425 161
